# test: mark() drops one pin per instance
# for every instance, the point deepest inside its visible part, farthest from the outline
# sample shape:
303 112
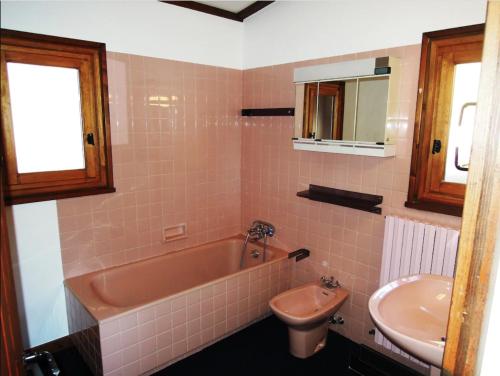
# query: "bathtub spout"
259 230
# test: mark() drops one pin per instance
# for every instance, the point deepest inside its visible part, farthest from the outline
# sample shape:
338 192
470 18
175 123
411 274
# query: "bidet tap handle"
330 282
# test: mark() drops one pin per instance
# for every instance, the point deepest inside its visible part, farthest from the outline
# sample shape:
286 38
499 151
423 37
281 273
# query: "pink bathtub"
140 317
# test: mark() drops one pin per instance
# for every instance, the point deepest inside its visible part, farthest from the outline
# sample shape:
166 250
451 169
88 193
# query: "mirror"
347 110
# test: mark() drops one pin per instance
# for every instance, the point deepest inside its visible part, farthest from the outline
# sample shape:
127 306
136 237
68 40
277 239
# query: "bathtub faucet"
260 230
257 231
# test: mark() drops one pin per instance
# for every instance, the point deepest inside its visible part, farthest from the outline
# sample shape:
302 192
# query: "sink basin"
412 312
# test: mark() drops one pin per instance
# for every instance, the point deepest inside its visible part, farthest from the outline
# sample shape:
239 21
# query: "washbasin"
412 312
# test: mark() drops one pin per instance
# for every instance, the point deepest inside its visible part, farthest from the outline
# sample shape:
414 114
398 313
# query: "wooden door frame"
11 343
480 216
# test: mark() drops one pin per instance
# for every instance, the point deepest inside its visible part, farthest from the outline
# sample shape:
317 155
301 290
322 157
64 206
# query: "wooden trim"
11 344
455 32
435 207
46 196
310 106
481 216
90 60
33 40
214 11
204 8
252 9
420 197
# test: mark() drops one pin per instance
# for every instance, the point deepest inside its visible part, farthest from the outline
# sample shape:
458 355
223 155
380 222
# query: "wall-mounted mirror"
349 112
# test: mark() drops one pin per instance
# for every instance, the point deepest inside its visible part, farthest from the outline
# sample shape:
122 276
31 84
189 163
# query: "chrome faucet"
257 231
260 229
330 283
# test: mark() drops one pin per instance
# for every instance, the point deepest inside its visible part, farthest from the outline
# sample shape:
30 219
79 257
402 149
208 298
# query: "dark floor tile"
261 350
71 363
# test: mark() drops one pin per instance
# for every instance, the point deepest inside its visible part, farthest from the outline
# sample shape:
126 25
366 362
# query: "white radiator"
415 248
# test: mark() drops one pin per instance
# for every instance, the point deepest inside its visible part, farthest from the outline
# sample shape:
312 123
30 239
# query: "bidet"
306 309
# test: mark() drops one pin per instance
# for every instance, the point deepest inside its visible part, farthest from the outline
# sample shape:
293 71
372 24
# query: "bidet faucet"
330 283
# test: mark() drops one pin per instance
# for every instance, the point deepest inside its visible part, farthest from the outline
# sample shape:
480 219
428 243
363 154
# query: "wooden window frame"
422 194
90 59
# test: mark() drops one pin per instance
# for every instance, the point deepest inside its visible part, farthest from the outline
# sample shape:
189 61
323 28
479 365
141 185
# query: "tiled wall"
182 154
175 130
84 333
152 337
344 242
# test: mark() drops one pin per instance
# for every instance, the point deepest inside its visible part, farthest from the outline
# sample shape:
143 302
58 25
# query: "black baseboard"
368 362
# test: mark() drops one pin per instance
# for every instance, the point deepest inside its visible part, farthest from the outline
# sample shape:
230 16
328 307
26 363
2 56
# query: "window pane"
463 110
46 117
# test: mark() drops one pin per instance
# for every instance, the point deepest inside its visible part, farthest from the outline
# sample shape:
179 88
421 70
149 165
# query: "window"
450 65
55 117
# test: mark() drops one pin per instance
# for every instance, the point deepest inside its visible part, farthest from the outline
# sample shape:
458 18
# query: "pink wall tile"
176 140
344 242
182 154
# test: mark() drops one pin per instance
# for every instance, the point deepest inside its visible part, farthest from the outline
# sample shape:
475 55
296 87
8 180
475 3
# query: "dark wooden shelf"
268 111
355 200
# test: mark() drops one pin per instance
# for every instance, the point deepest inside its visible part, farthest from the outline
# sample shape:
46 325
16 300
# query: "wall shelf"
361 201
268 111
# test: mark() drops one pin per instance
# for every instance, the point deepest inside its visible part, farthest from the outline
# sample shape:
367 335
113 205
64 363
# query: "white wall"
38 274
146 27
288 31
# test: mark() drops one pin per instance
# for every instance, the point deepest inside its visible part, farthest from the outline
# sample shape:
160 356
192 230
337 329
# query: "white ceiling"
232 6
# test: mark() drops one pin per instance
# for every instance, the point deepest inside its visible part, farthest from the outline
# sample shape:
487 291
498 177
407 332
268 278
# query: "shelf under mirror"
355 200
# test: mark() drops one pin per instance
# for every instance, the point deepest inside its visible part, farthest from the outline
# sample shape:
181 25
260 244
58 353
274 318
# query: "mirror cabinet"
347 107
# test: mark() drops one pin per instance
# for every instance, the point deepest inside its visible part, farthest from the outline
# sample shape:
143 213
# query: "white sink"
412 312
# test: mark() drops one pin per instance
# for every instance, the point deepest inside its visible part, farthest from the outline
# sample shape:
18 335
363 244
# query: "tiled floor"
261 349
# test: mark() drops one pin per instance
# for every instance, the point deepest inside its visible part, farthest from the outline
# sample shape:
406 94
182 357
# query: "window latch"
436 146
464 167
90 139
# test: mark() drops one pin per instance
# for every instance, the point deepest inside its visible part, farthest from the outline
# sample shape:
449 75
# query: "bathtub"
140 317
